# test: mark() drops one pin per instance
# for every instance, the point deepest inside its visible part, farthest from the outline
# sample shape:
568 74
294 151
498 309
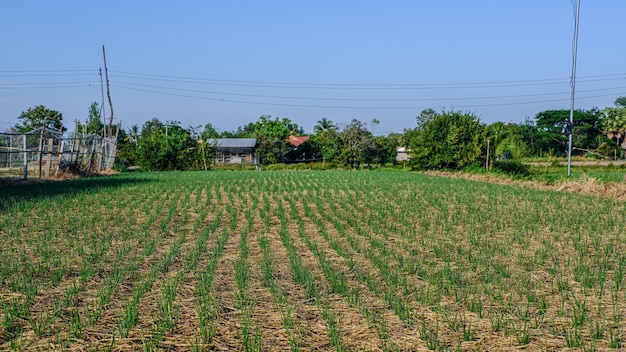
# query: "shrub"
448 141
475 169
512 167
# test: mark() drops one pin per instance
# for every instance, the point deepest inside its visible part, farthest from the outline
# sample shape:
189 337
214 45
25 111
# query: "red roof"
297 140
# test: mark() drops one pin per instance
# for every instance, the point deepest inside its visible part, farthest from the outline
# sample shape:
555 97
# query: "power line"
244 83
47 87
46 71
359 99
348 107
44 74
46 83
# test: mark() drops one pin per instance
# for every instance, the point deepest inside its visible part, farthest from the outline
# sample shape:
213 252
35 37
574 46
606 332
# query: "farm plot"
274 261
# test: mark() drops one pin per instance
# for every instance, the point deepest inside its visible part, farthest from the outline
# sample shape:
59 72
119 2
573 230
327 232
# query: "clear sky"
229 62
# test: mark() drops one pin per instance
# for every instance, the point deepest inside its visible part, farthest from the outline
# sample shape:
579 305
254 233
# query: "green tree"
425 116
620 102
94 122
386 147
132 135
151 126
272 135
585 130
324 125
507 141
307 151
209 132
450 140
326 141
127 146
614 127
246 131
356 146
169 147
550 135
38 117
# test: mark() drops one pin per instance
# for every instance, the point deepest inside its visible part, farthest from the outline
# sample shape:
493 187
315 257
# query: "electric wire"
359 99
347 107
180 86
183 79
342 86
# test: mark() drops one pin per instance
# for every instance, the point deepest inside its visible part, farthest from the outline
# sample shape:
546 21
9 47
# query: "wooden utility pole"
102 109
106 74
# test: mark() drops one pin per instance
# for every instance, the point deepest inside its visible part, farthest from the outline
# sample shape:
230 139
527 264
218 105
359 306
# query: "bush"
274 167
448 141
234 167
512 167
475 169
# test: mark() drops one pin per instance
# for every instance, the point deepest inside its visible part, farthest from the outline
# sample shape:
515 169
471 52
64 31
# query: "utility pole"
103 111
573 84
106 74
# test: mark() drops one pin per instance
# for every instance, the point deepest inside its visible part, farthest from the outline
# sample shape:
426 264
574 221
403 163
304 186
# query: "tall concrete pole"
573 84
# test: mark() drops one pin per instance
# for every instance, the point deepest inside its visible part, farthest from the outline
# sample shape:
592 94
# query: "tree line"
444 139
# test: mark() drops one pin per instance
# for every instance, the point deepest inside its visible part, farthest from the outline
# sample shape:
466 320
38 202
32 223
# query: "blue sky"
229 62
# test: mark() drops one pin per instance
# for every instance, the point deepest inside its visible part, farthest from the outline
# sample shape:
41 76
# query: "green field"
275 261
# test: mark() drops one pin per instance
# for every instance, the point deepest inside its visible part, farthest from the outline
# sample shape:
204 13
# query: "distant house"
402 154
296 141
234 150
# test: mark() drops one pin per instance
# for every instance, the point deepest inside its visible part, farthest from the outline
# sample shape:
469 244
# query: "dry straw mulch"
585 185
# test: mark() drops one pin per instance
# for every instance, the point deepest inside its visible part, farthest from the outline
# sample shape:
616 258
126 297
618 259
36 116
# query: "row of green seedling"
302 276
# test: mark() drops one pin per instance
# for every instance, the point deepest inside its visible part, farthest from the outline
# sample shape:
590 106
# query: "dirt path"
583 163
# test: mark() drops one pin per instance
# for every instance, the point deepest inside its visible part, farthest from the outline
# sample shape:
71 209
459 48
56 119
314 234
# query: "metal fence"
46 153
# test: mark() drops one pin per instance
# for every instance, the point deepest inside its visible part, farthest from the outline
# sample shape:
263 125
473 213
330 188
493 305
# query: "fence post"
10 151
25 158
40 154
100 154
56 174
49 157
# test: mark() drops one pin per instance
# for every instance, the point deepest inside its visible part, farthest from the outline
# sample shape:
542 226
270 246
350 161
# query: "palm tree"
324 125
133 134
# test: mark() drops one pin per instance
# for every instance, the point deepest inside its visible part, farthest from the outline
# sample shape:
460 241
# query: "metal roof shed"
234 150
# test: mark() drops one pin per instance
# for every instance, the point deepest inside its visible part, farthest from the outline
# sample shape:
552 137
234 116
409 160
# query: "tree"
449 140
326 141
94 122
620 102
170 147
272 135
614 126
209 132
356 146
585 130
38 117
324 125
246 131
388 147
151 126
425 116
507 140
307 151
133 134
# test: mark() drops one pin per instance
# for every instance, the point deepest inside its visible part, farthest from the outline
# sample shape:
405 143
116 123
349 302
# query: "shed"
402 154
234 150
